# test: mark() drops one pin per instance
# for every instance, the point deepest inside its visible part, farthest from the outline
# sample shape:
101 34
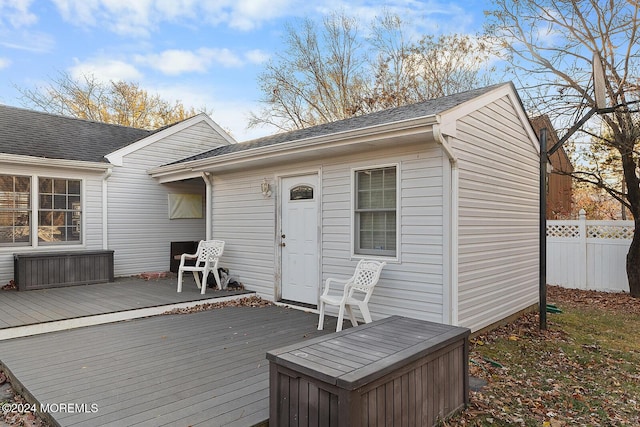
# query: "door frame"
277 292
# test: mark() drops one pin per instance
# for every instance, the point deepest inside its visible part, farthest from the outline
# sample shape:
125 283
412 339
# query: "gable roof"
428 108
116 157
36 134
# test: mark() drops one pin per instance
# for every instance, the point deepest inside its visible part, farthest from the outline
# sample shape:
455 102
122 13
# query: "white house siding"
246 221
92 213
411 287
498 215
140 230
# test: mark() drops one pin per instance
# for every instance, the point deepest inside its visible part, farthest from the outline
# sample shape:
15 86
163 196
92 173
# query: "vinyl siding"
412 287
140 231
92 214
498 216
245 220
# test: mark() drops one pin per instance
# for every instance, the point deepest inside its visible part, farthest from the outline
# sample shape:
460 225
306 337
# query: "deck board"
20 308
206 368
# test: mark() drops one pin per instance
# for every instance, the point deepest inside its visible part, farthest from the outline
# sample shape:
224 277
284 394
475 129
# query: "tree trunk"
633 262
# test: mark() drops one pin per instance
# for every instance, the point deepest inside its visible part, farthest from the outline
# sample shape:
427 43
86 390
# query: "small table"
396 371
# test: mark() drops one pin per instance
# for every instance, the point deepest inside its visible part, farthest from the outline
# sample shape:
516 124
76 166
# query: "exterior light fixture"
266 188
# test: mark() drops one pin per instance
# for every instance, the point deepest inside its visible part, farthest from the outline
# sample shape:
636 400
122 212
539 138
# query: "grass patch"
584 370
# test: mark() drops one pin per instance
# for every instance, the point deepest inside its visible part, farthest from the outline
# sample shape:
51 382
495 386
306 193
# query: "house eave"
14 159
345 141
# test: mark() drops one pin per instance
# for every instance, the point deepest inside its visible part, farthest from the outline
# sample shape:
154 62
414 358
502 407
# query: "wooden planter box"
40 270
393 372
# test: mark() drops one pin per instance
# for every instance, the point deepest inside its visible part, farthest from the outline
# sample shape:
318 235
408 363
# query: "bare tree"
335 72
432 67
115 102
551 45
315 80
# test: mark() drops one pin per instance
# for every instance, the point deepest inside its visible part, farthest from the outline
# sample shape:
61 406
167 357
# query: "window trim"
353 220
34 210
28 243
38 209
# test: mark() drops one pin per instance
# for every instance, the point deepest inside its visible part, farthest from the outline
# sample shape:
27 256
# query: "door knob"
283 236
283 244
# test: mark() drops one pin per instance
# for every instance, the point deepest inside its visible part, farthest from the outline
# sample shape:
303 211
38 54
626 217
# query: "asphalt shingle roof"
406 112
32 133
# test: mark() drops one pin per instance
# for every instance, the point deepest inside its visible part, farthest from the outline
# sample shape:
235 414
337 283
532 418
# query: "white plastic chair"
362 282
206 256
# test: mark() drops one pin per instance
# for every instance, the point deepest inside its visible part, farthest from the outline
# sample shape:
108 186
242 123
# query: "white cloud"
249 14
106 69
4 63
124 17
174 62
224 57
172 9
142 17
231 114
15 17
78 12
420 17
16 13
256 56
28 41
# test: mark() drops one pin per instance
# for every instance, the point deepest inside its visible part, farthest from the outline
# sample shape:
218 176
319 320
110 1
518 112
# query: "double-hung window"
15 210
375 211
58 215
60 210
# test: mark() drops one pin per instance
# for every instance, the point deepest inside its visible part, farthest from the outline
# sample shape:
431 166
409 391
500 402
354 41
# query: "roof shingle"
32 133
392 115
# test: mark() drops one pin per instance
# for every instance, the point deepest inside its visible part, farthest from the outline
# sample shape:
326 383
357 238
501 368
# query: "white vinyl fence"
588 254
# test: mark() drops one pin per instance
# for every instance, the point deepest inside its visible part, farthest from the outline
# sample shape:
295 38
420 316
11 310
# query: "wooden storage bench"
392 372
40 270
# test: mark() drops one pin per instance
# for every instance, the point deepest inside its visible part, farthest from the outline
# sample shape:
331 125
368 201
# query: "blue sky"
201 52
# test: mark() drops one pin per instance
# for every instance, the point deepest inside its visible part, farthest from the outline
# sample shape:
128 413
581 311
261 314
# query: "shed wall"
498 215
412 286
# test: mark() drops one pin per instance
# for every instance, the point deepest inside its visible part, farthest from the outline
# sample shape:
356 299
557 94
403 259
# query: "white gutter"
105 210
453 218
61 163
208 205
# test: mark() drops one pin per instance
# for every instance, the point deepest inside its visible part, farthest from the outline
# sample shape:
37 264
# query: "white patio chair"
357 291
206 256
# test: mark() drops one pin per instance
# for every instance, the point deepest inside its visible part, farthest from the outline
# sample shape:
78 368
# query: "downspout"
105 209
206 176
453 222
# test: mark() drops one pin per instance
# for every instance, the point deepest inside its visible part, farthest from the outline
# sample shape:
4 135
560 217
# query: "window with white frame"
375 211
15 210
60 210
59 214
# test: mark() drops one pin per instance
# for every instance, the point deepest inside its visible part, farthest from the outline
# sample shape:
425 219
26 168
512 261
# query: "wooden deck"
206 368
48 305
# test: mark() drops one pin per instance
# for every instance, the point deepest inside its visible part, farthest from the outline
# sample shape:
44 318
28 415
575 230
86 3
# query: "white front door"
299 239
